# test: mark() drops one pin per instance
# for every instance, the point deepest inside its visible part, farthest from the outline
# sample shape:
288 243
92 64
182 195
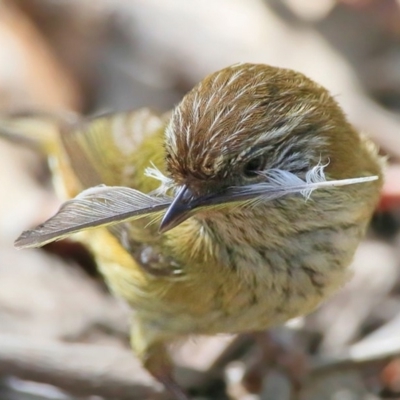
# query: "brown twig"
359 356
79 369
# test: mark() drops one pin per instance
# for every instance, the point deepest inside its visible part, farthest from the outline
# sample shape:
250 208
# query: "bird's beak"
186 202
179 210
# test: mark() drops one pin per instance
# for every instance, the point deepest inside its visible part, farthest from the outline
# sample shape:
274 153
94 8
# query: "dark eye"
252 167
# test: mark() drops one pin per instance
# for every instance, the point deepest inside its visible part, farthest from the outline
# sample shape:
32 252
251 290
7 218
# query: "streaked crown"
249 117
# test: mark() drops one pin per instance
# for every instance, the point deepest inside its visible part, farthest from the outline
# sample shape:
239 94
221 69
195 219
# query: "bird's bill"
179 210
185 204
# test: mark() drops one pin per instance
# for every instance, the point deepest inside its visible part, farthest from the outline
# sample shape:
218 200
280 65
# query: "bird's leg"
275 353
159 365
152 351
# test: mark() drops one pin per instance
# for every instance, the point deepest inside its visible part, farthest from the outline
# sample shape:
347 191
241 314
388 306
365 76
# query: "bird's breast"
231 287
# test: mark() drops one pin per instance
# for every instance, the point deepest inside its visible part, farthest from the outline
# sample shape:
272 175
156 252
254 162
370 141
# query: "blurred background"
62 336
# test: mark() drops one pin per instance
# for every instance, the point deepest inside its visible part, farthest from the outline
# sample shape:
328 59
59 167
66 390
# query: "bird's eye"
253 166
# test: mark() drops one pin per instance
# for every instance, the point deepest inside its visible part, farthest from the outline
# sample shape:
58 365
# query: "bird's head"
248 119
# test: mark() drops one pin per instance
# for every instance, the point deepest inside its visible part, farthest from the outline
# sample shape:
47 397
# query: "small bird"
262 193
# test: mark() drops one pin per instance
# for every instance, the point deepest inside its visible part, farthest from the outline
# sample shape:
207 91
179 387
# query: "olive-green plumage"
241 266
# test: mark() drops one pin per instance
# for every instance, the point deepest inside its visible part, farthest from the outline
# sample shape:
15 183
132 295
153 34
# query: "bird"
236 211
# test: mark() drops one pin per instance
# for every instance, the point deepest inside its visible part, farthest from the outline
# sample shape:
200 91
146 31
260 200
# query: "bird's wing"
115 149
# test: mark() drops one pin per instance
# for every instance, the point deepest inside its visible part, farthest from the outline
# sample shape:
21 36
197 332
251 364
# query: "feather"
94 207
281 183
110 205
315 179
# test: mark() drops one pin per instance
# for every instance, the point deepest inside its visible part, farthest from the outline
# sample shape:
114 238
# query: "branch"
80 369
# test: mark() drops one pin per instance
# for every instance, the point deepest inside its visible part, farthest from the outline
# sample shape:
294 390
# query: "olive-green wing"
116 149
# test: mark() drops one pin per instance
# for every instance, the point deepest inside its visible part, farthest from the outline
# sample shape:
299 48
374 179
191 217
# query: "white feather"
105 205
